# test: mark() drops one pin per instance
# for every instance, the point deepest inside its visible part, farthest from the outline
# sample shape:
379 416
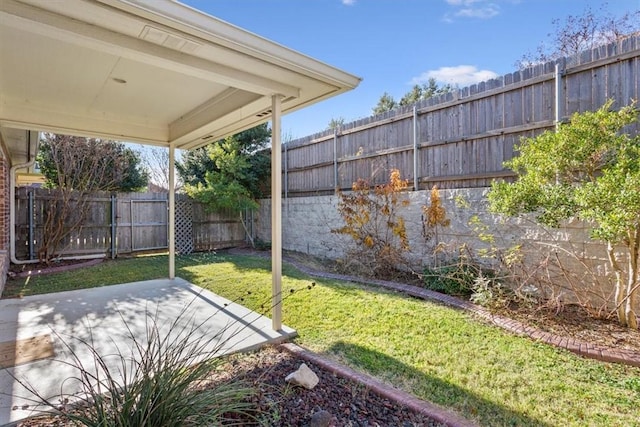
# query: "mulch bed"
282 404
278 403
573 322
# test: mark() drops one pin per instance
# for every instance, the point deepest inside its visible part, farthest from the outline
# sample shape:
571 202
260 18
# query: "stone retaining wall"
307 223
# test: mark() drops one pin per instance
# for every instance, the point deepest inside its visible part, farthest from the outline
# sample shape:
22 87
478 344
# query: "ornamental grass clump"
159 379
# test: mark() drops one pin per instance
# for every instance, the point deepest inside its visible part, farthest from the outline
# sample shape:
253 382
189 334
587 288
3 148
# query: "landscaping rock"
321 418
304 377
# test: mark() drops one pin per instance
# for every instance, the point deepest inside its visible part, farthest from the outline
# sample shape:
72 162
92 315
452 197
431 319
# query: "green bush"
262 245
458 278
485 291
455 279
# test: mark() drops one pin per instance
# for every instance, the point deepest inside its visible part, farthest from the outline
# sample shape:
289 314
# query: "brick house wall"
4 220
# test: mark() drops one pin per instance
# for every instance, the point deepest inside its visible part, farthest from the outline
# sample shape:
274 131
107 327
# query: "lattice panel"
184 225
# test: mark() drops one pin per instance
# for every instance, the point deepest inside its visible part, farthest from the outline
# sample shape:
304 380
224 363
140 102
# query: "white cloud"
462 2
461 75
489 11
348 2
480 9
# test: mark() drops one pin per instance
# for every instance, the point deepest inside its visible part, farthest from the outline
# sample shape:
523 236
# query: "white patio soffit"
150 71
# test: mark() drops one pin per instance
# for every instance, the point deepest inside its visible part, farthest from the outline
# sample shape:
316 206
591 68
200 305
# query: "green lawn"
434 352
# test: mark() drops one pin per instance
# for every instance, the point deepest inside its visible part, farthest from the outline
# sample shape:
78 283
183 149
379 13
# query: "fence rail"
462 139
123 223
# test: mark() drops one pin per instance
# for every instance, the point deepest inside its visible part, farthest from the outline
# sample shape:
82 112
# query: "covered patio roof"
149 71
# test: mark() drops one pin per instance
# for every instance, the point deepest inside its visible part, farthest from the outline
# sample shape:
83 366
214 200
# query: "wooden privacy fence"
461 139
124 223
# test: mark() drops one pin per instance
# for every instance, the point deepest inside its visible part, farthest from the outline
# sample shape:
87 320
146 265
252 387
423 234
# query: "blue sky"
393 44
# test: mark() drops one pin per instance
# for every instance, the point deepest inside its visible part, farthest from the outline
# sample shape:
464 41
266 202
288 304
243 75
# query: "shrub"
159 380
462 277
455 279
587 169
377 230
488 292
262 245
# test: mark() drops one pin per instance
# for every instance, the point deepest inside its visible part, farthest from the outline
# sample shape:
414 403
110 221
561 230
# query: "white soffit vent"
268 112
172 41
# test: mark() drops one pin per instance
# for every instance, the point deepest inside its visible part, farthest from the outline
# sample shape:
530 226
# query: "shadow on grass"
435 390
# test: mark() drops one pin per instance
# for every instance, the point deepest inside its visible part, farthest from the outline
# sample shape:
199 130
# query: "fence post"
286 172
131 224
415 149
113 226
335 158
559 93
31 225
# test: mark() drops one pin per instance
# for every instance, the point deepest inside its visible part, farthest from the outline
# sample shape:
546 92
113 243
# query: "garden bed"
278 403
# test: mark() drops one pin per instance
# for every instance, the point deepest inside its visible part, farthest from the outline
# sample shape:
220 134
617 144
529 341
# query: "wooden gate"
142 222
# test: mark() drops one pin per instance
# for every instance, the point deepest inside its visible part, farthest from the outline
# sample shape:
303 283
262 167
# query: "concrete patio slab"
107 317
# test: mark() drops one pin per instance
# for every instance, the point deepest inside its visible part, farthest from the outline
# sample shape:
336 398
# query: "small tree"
424 91
372 220
156 161
590 170
250 145
577 33
336 123
90 164
385 103
232 175
77 168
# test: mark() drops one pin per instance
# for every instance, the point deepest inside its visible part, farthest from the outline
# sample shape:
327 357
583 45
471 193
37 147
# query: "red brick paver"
582 348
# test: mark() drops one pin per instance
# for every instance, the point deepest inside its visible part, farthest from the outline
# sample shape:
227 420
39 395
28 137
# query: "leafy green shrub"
263 245
455 279
587 169
488 292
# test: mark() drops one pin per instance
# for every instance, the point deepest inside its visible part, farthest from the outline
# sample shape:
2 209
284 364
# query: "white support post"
276 214
172 212
415 149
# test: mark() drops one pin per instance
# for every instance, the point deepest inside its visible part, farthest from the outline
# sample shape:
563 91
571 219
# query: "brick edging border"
407 400
582 348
